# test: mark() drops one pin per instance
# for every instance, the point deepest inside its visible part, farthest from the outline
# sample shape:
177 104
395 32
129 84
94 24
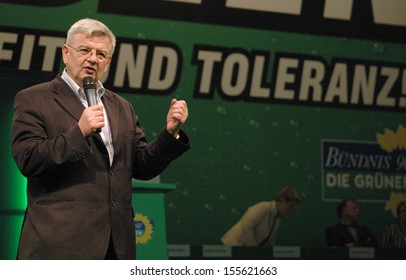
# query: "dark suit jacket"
76 200
339 235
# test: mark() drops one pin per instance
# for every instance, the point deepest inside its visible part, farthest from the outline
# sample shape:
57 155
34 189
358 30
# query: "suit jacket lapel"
113 116
67 98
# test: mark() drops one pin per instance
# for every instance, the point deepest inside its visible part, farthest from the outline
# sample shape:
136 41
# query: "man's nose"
92 56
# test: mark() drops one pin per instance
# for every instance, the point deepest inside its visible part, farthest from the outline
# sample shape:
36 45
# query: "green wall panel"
244 149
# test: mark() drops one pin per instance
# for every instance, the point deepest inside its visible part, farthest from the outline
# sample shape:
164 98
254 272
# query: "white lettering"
391 12
7 38
312 77
277 6
259 69
51 44
332 158
235 64
401 163
383 96
338 9
126 64
160 80
338 85
363 86
208 58
380 181
187 1
26 52
283 78
402 102
338 180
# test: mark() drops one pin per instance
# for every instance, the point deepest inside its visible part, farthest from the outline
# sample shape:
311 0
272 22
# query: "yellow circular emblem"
143 229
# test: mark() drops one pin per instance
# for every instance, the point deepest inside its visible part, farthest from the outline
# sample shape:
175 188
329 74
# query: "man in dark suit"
348 232
79 179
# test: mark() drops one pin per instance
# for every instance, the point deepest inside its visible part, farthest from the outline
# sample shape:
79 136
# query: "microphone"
90 90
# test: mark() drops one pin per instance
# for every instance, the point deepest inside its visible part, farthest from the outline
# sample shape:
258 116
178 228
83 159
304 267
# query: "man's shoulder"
363 228
115 96
264 205
45 85
334 228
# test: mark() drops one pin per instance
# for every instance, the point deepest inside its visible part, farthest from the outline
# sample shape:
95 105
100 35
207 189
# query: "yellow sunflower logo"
392 140
143 229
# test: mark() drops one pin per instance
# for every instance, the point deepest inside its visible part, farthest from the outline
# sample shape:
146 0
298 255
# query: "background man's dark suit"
339 236
76 201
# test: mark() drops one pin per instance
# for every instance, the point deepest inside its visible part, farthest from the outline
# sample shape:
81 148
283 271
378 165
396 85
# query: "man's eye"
83 51
101 55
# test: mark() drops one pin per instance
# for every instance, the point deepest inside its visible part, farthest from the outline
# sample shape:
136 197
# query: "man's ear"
65 51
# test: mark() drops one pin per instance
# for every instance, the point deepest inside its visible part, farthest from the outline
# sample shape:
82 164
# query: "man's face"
285 207
351 211
402 214
85 57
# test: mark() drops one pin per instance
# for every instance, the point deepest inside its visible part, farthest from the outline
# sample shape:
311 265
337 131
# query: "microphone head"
88 83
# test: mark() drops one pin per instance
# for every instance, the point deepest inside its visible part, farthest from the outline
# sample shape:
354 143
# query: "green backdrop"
245 147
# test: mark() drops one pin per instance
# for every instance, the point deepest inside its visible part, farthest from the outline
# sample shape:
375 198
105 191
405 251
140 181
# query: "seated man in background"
348 232
259 224
395 235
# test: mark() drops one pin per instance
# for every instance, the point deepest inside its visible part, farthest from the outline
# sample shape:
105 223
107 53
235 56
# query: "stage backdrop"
309 94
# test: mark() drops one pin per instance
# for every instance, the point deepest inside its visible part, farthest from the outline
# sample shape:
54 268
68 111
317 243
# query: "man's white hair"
89 27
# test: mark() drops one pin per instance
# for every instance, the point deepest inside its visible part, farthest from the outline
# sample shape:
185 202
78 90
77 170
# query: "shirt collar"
75 87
